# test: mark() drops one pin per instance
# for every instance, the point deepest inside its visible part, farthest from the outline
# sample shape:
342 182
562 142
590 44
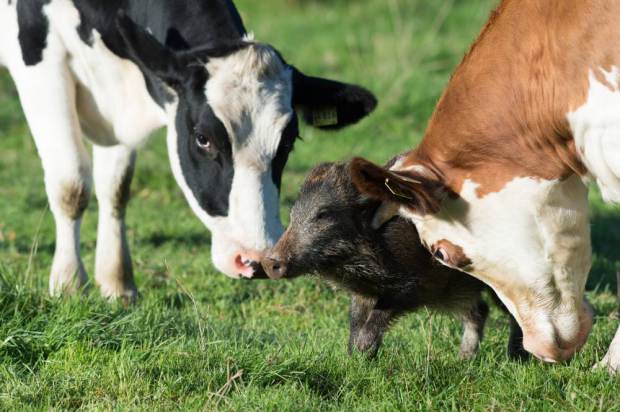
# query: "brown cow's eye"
441 254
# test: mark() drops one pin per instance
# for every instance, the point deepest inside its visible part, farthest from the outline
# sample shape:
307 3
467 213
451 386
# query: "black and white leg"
47 94
113 172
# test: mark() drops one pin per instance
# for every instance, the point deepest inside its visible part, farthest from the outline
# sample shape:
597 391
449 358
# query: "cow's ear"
328 104
175 40
148 53
417 192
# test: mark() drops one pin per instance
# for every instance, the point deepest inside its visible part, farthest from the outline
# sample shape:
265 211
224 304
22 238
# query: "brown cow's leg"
611 361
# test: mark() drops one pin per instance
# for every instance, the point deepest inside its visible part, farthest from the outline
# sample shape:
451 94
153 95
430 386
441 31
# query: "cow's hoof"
68 280
125 294
608 365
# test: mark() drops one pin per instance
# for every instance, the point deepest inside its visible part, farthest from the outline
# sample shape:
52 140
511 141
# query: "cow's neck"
127 104
199 23
504 112
177 24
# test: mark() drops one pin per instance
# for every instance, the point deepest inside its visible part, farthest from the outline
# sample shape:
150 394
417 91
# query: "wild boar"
387 270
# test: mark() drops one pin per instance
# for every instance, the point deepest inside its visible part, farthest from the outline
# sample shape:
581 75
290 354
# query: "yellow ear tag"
397 194
325 116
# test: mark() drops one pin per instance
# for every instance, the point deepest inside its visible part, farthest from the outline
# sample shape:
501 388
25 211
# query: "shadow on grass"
326 382
606 247
192 239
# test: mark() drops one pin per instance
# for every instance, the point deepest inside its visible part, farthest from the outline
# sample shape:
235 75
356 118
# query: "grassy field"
197 340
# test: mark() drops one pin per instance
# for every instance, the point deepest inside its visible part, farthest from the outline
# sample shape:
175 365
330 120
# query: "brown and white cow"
497 186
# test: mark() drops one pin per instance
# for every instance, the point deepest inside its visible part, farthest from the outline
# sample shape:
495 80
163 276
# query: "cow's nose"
275 268
247 265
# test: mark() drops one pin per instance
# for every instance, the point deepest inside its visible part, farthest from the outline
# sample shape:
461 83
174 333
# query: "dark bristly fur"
387 271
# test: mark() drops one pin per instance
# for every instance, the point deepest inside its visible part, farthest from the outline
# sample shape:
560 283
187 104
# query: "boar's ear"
419 193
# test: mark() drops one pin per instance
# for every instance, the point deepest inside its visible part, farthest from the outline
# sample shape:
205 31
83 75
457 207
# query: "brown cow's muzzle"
549 348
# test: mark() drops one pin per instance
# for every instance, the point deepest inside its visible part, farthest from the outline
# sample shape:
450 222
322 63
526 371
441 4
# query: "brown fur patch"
456 256
75 198
123 192
503 114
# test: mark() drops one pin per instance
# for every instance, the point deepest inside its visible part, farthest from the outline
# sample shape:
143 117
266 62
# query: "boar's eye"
322 215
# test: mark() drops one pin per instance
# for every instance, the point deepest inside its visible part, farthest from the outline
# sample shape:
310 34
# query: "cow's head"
232 124
529 240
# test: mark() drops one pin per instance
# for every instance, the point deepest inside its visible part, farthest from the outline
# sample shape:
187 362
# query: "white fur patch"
113 101
596 130
250 91
530 242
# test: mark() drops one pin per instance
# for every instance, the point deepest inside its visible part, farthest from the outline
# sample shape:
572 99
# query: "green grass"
197 340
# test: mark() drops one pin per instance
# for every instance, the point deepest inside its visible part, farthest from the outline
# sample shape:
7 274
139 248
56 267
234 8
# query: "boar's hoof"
368 343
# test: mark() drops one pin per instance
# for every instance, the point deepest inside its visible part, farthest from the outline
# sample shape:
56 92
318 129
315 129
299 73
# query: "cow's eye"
204 143
441 254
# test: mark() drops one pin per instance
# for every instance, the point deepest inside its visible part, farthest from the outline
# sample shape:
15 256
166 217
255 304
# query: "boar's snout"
274 266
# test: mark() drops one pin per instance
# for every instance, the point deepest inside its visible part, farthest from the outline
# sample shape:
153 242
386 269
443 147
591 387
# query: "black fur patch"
209 176
33 30
197 23
287 142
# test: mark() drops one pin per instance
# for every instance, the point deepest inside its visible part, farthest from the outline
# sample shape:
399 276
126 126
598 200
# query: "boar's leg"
473 329
368 338
515 342
361 306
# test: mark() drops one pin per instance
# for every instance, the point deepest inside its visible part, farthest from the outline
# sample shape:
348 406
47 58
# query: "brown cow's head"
529 240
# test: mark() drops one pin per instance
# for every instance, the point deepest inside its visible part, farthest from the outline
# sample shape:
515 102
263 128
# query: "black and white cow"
115 71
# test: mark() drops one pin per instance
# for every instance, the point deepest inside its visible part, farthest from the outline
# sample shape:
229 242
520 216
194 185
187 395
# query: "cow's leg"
473 329
611 361
113 173
47 94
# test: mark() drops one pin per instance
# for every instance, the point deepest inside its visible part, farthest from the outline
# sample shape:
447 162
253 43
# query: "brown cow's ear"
417 192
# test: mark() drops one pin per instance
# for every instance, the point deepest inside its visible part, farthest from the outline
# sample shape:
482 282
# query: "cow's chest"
112 100
596 130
